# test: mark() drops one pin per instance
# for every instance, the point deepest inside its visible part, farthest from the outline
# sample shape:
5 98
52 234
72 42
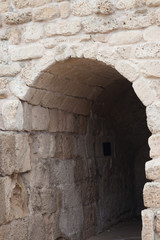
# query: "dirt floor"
130 230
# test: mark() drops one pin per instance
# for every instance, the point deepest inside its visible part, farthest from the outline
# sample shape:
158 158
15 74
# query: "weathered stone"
99 24
63 28
148 50
151 68
40 118
128 70
26 52
123 4
127 37
12 113
4 6
152 33
9 70
13 199
44 145
151 195
158 222
154 143
153 169
154 3
105 7
64 146
30 3
153 117
18 17
82 8
148 224
147 90
45 13
33 33
64 8
18 229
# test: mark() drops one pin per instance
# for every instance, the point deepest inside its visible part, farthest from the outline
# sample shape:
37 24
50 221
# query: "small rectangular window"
107 149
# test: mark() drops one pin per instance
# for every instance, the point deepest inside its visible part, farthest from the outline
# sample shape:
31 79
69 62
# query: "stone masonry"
56 58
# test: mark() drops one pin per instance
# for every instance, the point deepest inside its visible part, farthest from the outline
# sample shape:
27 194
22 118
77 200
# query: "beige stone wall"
40 92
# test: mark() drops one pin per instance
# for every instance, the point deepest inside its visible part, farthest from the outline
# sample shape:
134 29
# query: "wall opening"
89 147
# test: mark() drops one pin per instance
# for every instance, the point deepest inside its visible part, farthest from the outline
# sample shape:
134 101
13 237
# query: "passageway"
97 165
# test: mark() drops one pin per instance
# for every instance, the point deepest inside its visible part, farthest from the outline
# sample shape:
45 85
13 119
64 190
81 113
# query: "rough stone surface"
148 224
151 194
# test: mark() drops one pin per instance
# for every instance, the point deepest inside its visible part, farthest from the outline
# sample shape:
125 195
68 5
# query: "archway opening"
89 138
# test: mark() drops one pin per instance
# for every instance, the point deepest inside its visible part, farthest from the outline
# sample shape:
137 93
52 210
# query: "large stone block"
153 117
32 51
152 33
33 33
153 169
13 199
154 143
151 195
64 146
40 118
14 153
148 225
148 50
44 145
46 13
125 37
12 114
128 70
19 17
148 90
99 24
151 68
9 70
30 3
63 28
64 8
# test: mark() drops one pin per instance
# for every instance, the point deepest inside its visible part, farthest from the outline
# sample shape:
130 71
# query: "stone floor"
130 230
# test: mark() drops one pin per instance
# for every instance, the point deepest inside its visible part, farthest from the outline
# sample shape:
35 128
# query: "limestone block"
32 33
105 7
18 17
158 222
32 51
64 147
46 13
147 90
18 229
153 117
125 37
19 88
44 145
63 28
4 6
36 227
151 195
153 169
40 118
148 50
14 36
89 193
151 68
151 3
14 153
13 199
9 70
12 114
30 3
43 201
148 225
64 8
154 144
4 232
136 21
152 33
82 8
54 120
99 24
123 4
128 70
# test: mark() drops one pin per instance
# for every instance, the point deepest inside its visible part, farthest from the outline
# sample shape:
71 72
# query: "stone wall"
56 58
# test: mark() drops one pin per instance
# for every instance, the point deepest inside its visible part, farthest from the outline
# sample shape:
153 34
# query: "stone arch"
26 87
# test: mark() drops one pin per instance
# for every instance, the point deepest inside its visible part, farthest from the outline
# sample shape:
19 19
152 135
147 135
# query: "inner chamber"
101 181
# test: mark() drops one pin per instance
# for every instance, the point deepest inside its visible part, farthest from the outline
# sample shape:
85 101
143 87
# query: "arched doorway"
88 149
